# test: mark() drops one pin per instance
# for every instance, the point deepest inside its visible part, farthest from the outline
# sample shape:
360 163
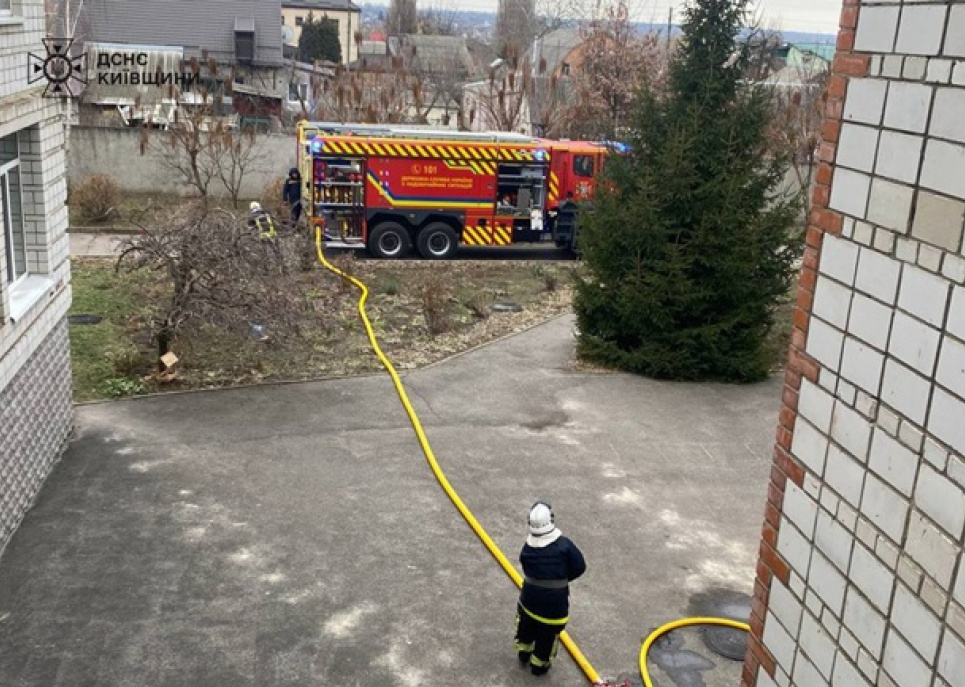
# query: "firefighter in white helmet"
262 221
550 562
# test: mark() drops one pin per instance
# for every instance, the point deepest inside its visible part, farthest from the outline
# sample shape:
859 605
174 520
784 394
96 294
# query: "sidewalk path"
94 245
294 536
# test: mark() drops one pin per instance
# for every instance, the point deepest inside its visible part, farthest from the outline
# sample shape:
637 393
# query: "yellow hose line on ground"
575 652
686 622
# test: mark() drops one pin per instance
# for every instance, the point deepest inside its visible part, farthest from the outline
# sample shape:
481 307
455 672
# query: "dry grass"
422 312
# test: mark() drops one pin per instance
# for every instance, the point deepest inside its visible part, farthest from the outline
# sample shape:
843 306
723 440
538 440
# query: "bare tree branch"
218 271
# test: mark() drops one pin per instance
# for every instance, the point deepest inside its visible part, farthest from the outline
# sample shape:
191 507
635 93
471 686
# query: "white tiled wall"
877 534
33 361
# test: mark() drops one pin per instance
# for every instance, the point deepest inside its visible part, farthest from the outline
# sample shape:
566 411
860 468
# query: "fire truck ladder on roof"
378 131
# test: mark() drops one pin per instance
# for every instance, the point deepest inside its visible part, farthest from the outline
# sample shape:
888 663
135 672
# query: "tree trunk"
163 346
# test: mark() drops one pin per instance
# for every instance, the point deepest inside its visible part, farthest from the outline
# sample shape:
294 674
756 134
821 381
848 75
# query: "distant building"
802 64
36 413
348 16
443 64
151 40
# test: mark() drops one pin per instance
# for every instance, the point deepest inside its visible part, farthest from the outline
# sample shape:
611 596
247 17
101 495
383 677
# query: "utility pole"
669 26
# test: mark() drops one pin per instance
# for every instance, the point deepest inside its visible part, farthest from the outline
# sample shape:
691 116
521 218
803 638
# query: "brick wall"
861 579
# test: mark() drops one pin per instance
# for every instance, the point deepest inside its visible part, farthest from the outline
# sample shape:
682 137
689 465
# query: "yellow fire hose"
570 645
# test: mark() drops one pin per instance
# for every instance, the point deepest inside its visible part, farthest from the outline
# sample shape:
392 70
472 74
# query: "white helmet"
541 519
255 205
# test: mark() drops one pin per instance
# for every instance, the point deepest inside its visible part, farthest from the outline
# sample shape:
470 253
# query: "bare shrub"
218 272
478 305
97 197
272 201
435 305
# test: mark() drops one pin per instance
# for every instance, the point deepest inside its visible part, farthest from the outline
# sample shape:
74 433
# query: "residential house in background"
347 14
521 96
242 38
442 65
800 64
35 381
553 60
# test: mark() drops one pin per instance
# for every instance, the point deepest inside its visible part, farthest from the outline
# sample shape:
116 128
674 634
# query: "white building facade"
35 373
861 579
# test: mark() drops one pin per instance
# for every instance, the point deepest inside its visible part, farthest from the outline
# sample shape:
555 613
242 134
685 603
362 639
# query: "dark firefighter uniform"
550 562
292 193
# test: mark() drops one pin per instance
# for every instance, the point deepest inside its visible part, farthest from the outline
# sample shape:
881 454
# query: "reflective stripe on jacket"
264 223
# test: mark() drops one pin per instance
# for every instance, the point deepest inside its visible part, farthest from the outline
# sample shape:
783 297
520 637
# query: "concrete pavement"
95 244
294 535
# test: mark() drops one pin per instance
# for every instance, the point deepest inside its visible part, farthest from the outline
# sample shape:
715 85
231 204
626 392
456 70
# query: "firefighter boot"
524 658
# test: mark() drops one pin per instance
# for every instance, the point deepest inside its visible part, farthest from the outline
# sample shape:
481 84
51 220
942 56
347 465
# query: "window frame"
578 172
11 279
6 11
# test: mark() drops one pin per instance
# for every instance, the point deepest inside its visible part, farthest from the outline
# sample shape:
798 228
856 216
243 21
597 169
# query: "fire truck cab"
389 189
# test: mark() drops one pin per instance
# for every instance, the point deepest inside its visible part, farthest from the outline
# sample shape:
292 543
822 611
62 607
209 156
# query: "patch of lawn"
107 358
116 357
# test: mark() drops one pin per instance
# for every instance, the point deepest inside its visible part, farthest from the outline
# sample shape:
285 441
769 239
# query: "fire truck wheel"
389 240
437 242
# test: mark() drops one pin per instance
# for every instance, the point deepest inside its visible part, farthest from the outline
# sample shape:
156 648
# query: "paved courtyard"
294 534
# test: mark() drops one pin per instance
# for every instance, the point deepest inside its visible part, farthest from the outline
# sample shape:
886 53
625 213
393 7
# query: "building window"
566 69
11 209
297 92
299 21
5 7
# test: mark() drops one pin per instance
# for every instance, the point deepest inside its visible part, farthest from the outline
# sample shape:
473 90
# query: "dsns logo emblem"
62 72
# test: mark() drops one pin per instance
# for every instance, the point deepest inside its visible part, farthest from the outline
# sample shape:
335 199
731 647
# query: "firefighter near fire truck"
261 221
391 190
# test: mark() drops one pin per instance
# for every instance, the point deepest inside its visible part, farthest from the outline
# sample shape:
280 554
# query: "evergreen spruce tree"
689 245
319 40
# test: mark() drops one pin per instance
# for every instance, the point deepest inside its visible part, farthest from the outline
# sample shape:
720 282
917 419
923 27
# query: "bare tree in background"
549 102
235 157
799 109
402 17
438 20
615 59
373 93
437 81
520 22
199 146
500 103
515 26
214 266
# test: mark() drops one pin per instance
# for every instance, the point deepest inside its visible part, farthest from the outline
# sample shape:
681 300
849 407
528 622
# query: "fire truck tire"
389 240
437 241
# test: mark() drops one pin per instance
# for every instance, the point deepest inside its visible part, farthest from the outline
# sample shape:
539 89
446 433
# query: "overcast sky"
818 16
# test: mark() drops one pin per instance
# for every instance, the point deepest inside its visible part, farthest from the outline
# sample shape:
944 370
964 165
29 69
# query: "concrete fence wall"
117 153
861 579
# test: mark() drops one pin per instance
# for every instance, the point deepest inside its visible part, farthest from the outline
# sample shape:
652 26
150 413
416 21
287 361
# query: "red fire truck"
388 189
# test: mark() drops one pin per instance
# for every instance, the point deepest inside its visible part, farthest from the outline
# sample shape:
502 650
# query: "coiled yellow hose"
570 645
686 622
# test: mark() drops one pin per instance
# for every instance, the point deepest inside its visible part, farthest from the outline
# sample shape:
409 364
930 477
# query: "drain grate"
84 319
728 642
